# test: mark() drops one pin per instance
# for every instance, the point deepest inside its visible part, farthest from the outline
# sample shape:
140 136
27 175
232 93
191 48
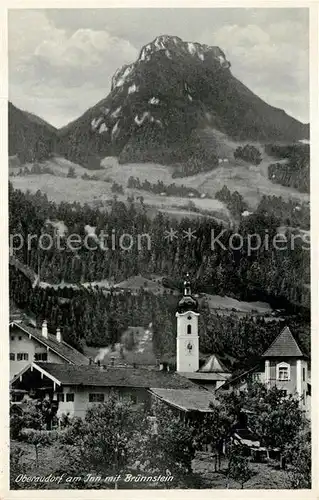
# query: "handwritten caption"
91 478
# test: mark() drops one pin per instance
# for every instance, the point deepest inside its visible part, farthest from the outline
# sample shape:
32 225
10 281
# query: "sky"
61 61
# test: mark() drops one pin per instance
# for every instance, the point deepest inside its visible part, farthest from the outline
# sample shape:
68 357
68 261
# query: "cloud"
273 63
86 48
51 67
61 61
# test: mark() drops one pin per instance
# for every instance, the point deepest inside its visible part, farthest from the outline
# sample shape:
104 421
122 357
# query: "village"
45 370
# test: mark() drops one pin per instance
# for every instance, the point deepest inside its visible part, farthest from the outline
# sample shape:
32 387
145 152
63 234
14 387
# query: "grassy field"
217 302
59 188
266 476
249 180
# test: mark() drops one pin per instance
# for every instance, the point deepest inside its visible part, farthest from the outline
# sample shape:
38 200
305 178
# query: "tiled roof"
187 399
93 375
284 346
63 349
204 377
214 365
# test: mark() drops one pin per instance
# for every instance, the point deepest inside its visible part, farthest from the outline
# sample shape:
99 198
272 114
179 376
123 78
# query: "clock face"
189 348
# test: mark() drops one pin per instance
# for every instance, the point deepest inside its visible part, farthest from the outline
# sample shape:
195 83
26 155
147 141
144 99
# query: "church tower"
187 340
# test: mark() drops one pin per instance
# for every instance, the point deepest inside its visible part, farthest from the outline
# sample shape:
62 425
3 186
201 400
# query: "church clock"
189 348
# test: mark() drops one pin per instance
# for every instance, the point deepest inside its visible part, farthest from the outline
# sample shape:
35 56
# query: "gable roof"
214 365
284 346
93 375
62 349
187 399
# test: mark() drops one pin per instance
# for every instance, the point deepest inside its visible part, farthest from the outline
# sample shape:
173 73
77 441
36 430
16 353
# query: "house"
53 370
73 389
283 365
28 344
211 375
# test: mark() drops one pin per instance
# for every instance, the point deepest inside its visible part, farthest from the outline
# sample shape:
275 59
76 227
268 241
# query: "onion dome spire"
187 302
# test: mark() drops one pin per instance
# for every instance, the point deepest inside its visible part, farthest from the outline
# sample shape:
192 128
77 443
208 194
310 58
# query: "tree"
276 419
38 438
238 467
298 454
214 428
166 447
29 416
103 438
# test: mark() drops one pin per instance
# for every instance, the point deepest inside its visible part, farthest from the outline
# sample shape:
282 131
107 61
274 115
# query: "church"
72 383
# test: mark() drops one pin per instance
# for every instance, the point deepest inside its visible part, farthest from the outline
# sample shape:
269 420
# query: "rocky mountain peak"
160 104
173 48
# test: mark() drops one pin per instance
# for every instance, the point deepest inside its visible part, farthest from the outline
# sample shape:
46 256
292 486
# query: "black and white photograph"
159 249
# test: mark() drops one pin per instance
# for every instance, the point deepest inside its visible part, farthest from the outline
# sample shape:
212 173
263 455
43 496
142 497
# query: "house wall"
81 403
297 383
289 385
21 343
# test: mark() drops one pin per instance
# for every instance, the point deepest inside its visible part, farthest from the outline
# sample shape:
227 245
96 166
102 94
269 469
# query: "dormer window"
283 372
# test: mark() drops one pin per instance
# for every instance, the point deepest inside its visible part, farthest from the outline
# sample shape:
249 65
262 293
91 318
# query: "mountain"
159 105
30 137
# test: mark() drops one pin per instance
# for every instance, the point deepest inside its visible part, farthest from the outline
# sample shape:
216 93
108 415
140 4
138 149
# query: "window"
283 371
96 398
133 398
70 397
12 337
41 356
22 356
12 356
61 397
189 328
303 374
20 338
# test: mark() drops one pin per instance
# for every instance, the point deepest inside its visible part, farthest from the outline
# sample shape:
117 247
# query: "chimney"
45 329
58 335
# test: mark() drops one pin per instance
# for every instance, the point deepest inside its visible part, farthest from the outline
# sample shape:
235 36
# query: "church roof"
214 365
187 303
284 346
